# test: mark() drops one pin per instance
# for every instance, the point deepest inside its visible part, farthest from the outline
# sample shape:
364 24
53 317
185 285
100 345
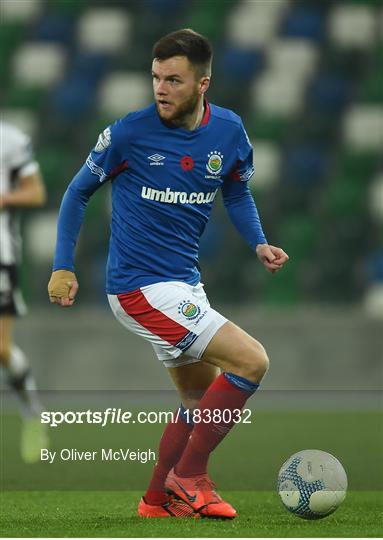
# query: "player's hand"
62 288
273 258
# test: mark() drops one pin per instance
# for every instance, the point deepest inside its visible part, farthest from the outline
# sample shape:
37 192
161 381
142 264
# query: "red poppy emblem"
187 163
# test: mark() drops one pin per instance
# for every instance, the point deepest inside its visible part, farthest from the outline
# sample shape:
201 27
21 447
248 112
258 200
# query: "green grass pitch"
113 514
100 499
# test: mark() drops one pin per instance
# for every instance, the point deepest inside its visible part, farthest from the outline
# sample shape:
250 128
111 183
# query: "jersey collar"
206 116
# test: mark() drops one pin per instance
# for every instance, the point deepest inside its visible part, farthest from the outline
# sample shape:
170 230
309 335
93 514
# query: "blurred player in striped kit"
167 163
21 186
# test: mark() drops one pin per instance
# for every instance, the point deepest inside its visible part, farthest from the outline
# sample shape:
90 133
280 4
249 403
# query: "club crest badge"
189 310
214 163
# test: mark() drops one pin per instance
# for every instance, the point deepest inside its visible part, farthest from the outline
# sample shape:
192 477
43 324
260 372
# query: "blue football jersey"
164 182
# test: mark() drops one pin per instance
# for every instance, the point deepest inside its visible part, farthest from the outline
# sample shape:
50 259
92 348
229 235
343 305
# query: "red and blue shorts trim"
176 318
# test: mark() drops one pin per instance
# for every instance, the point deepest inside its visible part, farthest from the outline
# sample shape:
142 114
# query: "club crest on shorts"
214 162
188 310
104 140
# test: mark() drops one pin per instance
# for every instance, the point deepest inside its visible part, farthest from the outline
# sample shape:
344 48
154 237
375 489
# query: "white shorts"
175 317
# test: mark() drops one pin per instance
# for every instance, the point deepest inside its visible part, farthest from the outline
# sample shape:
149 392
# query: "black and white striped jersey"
16 161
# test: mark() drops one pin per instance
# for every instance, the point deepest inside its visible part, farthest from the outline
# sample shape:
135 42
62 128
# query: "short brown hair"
186 42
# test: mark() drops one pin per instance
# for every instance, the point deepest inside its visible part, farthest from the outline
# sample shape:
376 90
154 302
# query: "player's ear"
204 84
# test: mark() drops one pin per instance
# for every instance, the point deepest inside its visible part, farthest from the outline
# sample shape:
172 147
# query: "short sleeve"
244 168
20 153
105 160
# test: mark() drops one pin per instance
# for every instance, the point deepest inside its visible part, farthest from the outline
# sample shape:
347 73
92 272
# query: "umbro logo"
156 159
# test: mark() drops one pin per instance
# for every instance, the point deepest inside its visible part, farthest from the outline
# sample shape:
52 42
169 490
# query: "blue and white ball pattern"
312 484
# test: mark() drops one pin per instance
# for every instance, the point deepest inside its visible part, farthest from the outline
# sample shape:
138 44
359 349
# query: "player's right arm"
63 285
99 167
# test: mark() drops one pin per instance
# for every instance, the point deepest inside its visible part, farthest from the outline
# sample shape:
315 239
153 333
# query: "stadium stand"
305 75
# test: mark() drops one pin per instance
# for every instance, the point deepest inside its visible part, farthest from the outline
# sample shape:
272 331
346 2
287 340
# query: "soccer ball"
312 484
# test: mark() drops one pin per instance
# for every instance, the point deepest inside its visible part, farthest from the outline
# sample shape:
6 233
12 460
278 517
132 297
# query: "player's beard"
182 112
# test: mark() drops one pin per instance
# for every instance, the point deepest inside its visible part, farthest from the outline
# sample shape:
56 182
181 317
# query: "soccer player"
166 164
21 186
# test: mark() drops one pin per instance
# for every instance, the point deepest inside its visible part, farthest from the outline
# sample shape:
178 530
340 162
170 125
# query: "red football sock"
227 392
172 444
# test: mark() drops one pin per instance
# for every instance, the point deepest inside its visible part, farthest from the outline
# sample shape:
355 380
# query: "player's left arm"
242 209
243 213
29 192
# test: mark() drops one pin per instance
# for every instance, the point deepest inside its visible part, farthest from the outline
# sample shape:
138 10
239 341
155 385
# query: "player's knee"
262 362
256 363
